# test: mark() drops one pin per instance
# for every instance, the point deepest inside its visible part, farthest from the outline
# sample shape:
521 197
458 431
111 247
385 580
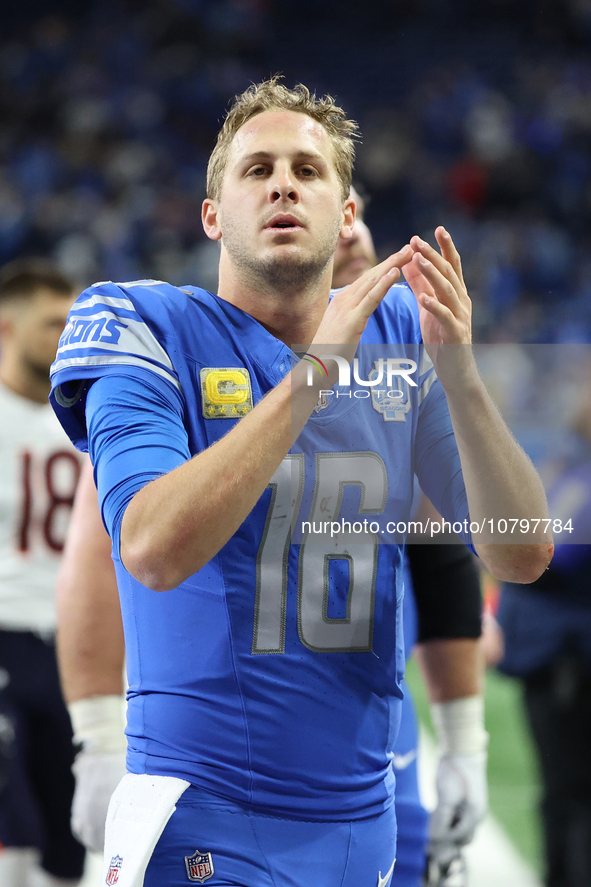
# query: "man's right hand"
349 310
99 766
451 872
97 777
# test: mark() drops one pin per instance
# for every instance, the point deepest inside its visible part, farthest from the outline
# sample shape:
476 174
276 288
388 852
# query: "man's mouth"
283 223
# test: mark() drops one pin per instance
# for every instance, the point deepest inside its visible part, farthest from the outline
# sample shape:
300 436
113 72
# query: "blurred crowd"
477 116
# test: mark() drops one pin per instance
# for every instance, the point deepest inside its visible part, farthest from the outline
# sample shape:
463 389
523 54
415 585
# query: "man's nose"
283 185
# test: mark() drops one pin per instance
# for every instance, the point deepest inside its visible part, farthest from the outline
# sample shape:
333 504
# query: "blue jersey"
272 676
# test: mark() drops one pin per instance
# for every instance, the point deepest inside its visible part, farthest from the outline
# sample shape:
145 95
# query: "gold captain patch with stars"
226 392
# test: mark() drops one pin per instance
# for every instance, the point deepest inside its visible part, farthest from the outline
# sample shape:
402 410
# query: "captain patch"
226 392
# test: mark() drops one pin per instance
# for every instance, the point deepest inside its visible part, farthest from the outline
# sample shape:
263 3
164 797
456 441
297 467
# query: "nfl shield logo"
114 869
321 403
199 866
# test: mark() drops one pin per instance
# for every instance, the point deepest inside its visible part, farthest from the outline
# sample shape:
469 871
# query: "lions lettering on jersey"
271 677
105 331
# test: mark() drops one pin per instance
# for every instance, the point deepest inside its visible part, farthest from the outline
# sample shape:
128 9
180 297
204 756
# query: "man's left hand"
462 800
437 281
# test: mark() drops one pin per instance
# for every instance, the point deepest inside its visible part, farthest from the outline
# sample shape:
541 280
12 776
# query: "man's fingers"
443 263
387 271
374 296
350 309
375 288
397 260
364 295
449 251
444 289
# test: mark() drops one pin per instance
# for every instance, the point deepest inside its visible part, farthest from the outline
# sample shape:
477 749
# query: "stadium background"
475 115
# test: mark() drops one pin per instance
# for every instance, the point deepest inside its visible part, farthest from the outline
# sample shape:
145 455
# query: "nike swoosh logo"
383 881
401 762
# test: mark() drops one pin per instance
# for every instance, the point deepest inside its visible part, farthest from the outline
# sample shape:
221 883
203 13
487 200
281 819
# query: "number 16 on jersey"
351 630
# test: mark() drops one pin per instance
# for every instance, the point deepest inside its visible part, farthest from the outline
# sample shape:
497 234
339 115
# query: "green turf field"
513 780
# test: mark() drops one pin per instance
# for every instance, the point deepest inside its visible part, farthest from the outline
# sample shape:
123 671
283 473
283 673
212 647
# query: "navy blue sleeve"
136 434
437 461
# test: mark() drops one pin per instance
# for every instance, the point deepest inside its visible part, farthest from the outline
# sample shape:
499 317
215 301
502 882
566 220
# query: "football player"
90 643
39 469
264 682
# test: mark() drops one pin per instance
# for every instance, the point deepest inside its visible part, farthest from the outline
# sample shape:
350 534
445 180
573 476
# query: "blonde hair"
271 95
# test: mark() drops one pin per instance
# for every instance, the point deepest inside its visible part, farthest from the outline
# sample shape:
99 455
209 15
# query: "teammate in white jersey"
39 470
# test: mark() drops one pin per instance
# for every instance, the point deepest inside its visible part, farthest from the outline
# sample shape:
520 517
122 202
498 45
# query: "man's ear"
210 219
7 321
349 215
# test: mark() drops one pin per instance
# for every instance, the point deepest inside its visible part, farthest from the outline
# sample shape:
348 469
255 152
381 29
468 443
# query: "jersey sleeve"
136 434
437 461
110 327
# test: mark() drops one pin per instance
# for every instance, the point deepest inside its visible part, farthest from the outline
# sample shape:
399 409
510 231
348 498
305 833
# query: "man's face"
281 210
353 256
33 328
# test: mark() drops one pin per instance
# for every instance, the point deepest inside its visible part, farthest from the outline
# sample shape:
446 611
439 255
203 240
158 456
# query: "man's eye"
308 171
258 171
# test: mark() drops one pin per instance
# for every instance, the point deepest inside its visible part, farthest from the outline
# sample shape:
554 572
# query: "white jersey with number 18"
39 469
